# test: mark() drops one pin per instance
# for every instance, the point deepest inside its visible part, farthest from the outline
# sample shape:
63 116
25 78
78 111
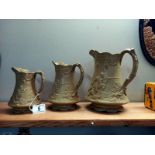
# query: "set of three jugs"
107 92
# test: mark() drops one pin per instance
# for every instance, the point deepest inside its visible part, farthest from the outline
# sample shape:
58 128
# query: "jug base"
63 107
105 108
20 111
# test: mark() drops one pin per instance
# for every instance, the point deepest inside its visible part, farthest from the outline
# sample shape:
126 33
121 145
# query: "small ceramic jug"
25 92
107 92
65 91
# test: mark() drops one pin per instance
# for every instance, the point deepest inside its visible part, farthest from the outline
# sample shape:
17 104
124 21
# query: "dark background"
84 131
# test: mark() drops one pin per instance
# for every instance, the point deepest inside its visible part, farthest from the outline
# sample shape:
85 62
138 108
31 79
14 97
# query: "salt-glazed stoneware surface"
65 89
25 91
107 92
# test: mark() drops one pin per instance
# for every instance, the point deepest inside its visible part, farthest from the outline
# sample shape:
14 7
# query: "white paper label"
38 108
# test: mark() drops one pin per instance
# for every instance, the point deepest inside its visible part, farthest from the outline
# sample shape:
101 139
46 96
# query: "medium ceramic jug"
65 91
107 92
25 92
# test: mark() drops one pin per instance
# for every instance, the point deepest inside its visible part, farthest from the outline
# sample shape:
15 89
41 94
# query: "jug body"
107 91
65 90
25 90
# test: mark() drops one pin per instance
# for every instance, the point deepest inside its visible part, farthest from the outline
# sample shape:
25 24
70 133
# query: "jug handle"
134 68
81 76
42 81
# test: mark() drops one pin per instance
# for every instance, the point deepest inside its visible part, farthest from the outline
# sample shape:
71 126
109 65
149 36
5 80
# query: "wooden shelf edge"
76 123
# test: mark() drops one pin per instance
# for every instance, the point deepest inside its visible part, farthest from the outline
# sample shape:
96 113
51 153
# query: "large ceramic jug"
107 92
65 90
25 92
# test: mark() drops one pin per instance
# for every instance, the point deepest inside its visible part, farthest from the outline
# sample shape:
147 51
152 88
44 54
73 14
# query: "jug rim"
91 52
22 70
109 53
61 63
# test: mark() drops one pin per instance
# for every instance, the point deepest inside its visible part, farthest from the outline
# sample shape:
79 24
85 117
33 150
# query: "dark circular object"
24 131
143 24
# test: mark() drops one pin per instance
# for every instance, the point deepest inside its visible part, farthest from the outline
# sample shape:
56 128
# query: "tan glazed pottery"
65 89
107 92
25 91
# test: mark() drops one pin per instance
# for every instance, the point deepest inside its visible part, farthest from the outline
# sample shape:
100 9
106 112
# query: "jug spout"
61 63
93 53
14 69
54 63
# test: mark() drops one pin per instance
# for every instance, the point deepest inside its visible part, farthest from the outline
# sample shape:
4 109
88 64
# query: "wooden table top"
135 114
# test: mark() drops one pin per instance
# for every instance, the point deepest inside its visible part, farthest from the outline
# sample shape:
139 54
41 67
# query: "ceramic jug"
107 92
65 90
25 91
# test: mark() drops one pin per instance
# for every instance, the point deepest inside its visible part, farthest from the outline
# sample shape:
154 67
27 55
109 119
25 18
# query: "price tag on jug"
36 109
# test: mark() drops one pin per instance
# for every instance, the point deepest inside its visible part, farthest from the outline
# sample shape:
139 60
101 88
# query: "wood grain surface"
135 114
